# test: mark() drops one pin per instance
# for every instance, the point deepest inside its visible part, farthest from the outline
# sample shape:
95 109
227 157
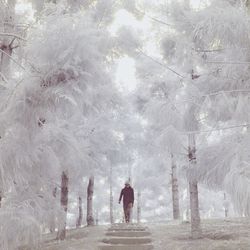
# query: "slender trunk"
130 174
193 189
97 218
225 205
188 203
64 203
79 220
139 207
175 191
90 192
53 216
111 196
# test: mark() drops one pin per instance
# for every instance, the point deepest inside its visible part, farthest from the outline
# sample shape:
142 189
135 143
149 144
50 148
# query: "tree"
52 124
211 58
175 190
79 219
190 45
157 95
90 192
64 203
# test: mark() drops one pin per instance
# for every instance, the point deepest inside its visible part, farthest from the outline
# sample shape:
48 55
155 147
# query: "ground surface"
87 238
231 234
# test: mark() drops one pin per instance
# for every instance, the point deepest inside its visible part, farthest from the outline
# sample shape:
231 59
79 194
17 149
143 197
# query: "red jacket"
128 195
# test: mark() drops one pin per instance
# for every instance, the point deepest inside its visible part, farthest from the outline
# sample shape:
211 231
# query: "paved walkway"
127 237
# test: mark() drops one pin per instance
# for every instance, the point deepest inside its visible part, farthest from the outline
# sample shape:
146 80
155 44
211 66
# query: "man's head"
127 184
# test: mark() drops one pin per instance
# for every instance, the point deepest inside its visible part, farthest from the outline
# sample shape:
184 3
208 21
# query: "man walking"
127 194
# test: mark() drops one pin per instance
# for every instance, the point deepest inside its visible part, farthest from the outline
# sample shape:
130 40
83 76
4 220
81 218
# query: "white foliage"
66 90
18 225
128 40
171 140
208 47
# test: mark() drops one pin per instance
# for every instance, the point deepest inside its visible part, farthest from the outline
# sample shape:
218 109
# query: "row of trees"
60 115
196 94
63 119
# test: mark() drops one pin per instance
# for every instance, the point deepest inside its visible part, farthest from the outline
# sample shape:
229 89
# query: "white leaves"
242 109
220 25
168 47
130 5
208 44
171 140
236 183
104 10
18 222
69 90
222 108
128 40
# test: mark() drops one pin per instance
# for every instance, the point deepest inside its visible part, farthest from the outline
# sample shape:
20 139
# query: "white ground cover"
86 238
219 234
230 234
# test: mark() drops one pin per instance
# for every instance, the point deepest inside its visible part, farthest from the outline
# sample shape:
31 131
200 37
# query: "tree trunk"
97 217
53 216
139 207
225 205
79 220
175 191
188 204
90 192
193 189
64 203
111 196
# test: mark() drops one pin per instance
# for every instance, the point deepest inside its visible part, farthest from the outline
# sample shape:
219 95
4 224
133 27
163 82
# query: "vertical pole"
97 218
225 205
53 216
193 189
90 192
64 203
175 191
111 195
79 220
139 206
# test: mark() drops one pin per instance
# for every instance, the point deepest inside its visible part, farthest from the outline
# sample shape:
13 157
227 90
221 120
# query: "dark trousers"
127 208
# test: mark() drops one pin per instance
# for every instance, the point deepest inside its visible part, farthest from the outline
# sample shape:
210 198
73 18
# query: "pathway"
127 237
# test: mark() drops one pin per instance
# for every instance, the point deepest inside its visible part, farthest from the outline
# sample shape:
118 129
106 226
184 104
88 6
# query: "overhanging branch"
13 35
12 59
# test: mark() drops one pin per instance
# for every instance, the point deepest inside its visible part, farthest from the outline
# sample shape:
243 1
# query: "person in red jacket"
127 194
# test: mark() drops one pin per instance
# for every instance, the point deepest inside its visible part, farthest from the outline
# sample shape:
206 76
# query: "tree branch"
3 77
208 50
224 62
161 64
153 18
12 59
226 91
216 129
13 35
